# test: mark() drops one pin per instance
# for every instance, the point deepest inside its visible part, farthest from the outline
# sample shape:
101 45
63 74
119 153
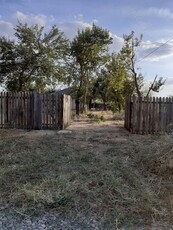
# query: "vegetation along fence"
29 110
149 115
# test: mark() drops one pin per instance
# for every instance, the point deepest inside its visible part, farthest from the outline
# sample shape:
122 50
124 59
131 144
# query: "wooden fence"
28 110
148 114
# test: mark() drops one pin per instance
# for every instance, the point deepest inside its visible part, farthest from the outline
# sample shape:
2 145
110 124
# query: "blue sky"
152 18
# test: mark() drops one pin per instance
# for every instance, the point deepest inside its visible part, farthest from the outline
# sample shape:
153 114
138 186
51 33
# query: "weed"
96 118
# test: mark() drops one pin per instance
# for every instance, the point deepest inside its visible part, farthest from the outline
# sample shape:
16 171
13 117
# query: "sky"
152 18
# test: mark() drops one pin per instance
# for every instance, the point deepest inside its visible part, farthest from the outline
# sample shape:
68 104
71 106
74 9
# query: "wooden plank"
22 110
153 116
3 115
156 115
140 115
39 111
163 114
133 113
32 102
170 111
47 112
29 120
19 110
52 109
43 111
146 115
61 112
56 111
25 109
130 113
5 110
12 110
149 114
9 111
1 111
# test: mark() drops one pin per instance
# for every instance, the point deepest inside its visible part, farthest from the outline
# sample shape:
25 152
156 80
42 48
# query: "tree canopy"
34 60
88 49
39 60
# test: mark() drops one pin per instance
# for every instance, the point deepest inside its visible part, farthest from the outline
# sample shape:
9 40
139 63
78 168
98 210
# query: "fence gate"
148 114
28 110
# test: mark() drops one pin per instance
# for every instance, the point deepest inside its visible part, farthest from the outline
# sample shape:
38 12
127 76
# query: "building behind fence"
30 110
149 115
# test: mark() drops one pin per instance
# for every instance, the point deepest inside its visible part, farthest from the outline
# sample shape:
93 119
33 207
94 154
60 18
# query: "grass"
121 184
96 118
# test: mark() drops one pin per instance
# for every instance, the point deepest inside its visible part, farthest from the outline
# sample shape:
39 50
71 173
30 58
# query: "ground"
93 175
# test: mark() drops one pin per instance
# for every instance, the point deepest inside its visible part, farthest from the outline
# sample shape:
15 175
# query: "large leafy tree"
88 49
34 60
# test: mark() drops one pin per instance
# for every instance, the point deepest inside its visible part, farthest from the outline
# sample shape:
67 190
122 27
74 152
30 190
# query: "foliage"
34 60
88 49
113 83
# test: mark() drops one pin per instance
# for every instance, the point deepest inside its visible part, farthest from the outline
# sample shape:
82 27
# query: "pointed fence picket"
30 110
146 115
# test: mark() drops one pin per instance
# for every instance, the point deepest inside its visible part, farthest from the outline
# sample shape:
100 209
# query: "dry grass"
122 180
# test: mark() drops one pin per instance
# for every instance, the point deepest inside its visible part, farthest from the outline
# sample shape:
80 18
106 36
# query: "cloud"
155 51
166 91
117 43
169 81
70 28
151 11
6 29
160 12
31 18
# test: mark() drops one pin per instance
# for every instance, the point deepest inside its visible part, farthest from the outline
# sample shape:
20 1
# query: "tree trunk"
105 106
84 106
90 104
77 106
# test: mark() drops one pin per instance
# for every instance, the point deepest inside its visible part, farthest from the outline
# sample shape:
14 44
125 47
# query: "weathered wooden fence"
148 114
28 110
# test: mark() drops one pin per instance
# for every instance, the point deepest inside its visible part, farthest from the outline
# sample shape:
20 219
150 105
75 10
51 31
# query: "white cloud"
70 28
78 17
166 91
151 11
117 43
155 51
6 29
33 19
161 12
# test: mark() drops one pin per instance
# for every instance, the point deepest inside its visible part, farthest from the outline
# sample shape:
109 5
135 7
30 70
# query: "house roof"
67 91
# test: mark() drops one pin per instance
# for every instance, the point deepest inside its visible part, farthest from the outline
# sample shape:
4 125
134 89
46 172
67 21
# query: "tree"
88 49
113 83
128 58
34 60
